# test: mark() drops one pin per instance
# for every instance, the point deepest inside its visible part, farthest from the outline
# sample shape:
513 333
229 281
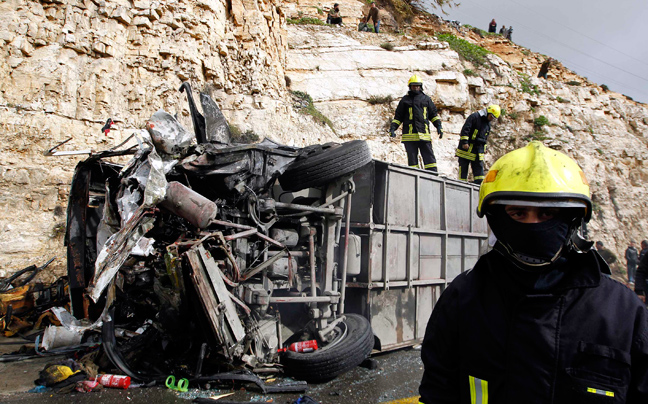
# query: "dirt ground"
395 379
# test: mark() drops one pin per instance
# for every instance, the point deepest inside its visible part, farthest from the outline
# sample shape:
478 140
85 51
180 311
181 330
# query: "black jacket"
415 112
631 255
585 341
474 133
641 275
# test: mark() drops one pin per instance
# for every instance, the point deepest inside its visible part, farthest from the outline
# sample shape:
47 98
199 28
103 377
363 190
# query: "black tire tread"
323 167
326 364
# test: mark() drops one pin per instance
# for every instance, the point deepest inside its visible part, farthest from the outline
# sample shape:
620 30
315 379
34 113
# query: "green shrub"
605 87
307 107
306 21
599 151
527 86
468 72
472 53
574 83
537 135
513 115
374 100
541 121
387 46
236 136
402 10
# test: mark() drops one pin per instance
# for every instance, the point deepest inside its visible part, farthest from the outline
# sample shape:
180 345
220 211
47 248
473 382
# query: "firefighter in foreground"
416 111
472 142
536 320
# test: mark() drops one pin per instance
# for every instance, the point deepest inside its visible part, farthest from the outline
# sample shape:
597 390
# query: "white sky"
603 40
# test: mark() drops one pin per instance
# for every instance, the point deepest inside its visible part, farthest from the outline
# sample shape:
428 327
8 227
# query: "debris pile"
204 260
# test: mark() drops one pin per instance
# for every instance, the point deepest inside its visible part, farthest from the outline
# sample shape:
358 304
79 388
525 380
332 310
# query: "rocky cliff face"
67 66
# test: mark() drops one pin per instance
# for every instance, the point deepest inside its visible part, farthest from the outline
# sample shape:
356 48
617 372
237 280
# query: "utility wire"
580 33
530 29
572 48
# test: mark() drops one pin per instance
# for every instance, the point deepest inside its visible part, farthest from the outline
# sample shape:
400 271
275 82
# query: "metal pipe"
265 264
293 253
337 198
304 207
311 256
303 299
347 225
230 224
241 234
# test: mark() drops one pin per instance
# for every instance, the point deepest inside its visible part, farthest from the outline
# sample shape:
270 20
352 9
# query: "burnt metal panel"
75 238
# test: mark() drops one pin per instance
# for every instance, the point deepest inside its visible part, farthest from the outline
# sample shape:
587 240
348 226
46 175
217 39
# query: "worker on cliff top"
373 15
472 142
544 68
416 111
536 320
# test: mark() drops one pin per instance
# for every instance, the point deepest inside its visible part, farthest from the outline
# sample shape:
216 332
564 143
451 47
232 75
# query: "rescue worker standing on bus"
472 142
416 111
536 320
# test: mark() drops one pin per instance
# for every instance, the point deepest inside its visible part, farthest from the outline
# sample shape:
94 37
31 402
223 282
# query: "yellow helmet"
416 80
495 110
535 175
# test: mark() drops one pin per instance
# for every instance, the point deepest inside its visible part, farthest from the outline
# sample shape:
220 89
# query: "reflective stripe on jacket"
474 133
415 112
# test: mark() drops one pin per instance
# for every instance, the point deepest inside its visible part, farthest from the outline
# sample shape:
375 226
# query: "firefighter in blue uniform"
472 142
416 111
536 320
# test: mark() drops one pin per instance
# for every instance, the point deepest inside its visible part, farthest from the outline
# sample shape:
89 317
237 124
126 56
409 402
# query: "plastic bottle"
303 346
117 381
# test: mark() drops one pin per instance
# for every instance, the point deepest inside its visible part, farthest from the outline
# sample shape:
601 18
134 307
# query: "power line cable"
580 33
572 48
540 47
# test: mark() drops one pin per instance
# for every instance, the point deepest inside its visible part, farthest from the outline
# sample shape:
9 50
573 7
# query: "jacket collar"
578 271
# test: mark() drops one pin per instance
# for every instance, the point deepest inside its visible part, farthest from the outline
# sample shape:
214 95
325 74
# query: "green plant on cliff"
306 106
537 135
527 86
541 121
237 136
387 46
375 100
466 50
402 11
306 21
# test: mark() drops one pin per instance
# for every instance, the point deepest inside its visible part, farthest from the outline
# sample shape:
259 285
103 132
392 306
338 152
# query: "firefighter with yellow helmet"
472 142
416 112
536 320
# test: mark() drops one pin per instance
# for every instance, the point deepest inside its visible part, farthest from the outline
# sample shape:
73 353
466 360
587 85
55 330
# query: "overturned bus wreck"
202 258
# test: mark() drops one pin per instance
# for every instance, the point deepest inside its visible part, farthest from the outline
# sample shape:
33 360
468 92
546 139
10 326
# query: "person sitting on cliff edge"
334 16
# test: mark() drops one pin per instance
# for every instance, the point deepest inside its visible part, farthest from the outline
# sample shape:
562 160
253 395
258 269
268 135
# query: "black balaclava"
538 249
416 92
534 243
